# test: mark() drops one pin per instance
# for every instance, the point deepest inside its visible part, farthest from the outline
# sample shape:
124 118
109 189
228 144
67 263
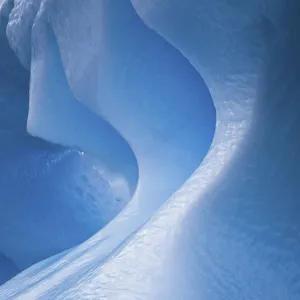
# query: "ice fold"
231 230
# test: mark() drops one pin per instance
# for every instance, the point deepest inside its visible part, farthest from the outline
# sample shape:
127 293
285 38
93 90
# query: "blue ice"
162 154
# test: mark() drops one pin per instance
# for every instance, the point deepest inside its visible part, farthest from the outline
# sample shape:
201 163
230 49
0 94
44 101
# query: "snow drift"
231 230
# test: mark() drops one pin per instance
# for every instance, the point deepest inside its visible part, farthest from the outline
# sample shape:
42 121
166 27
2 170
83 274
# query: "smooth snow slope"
231 231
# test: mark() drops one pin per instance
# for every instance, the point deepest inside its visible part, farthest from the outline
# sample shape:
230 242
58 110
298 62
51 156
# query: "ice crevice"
225 229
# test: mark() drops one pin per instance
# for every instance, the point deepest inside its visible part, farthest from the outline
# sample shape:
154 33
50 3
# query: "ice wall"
51 197
231 231
232 235
126 74
99 88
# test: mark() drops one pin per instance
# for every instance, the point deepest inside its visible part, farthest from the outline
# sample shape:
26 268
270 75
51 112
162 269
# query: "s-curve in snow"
120 93
121 81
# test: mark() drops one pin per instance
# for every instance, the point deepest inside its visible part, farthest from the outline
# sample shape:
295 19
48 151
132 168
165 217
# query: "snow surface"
231 231
52 197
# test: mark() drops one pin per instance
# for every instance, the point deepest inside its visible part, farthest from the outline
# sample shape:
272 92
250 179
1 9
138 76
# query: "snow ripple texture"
225 230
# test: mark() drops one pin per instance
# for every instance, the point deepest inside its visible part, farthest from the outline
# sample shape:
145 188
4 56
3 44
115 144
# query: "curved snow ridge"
125 83
231 231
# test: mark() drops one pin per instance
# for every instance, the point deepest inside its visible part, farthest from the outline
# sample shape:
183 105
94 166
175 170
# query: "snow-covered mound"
231 231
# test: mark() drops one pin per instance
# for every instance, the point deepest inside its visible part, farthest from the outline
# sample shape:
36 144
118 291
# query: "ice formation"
227 229
52 198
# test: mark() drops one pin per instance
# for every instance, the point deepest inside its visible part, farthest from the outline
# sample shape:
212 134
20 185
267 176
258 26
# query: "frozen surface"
231 231
120 102
52 197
